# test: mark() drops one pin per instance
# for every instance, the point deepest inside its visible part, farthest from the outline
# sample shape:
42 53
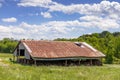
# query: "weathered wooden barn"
56 52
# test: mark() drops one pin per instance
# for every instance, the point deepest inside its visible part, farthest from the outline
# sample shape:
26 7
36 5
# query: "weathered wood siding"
21 46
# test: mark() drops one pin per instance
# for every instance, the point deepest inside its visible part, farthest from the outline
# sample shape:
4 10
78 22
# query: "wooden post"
101 61
65 62
90 61
79 62
27 61
24 61
35 62
17 58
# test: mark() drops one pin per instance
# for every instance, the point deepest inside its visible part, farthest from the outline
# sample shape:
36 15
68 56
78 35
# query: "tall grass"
16 71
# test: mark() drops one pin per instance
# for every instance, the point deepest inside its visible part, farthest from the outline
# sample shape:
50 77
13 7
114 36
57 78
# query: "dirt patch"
0 60
3 64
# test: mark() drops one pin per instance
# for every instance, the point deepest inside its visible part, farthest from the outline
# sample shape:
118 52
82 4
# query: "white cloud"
103 23
90 18
46 14
12 19
56 29
36 3
105 10
10 31
4 29
104 16
33 14
102 8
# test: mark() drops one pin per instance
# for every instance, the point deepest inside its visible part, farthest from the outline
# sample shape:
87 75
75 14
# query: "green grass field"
14 71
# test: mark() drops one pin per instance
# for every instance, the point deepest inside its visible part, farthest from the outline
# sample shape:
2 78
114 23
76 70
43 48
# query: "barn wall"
27 56
21 46
15 53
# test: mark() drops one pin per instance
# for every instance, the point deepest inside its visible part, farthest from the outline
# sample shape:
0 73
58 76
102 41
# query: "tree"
117 48
109 58
7 45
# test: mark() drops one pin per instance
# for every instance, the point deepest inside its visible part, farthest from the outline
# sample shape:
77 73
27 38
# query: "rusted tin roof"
60 49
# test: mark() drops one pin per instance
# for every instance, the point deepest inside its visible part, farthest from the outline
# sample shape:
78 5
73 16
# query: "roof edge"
27 48
63 58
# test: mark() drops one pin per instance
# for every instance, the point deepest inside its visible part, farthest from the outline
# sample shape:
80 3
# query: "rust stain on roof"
60 49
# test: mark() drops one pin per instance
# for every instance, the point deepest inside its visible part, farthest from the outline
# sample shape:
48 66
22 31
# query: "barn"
56 52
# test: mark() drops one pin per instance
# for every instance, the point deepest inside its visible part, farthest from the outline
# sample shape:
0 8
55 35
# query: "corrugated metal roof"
59 49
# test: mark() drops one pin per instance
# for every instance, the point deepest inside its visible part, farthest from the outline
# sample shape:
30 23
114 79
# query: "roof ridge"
44 41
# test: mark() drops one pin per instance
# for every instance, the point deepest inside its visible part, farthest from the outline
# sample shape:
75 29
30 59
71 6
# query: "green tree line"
7 45
106 42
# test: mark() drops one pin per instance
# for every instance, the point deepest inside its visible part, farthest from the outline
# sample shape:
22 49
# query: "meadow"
15 71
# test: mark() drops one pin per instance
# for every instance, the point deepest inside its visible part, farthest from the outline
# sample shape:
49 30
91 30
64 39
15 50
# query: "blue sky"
50 19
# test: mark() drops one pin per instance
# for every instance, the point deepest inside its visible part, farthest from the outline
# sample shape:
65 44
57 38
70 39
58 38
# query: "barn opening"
86 62
22 52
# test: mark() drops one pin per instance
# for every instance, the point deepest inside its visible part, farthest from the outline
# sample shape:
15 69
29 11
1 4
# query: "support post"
17 59
79 62
90 61
101 61
27 61
35 62
19 56
24 61
65 62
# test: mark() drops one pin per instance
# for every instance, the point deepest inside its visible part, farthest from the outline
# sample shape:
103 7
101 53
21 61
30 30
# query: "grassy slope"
12 71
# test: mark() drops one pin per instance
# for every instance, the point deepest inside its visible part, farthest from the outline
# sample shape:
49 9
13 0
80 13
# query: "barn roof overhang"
66 58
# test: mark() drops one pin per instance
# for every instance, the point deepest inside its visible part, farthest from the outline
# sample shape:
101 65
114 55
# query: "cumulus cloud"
12 19
56 29
105 11
102 8
36 3
33 31
99 22
33 14
4 29
104 16
46 14
10 31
